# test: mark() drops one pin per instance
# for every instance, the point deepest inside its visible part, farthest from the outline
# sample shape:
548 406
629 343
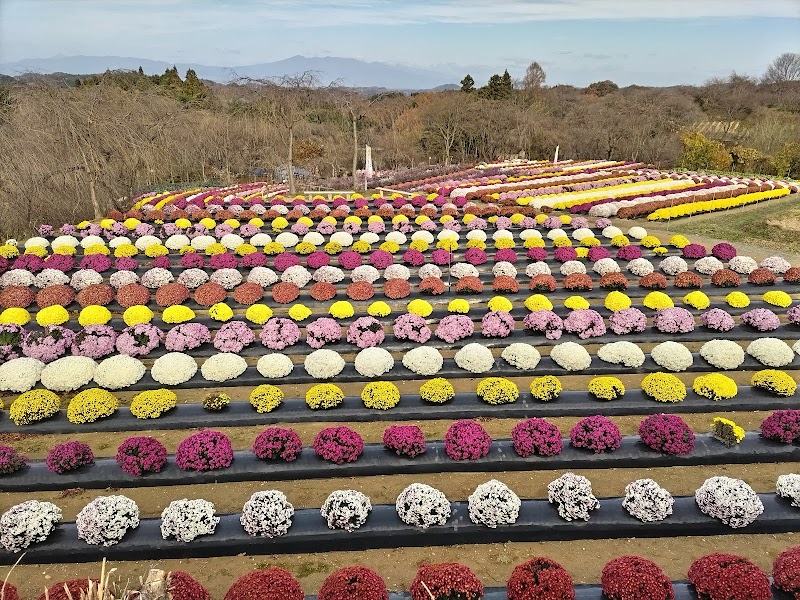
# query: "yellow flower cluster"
616 301
657 301
258 313
177 314
500 303
9 251
381 395
538 302
125 250
533 242
273 248
545 388
707 206
562 242
33 406
52 315
94 315
590 242
15 316
151 404
775 382
726 431
220 312
245 249
778 298
216 401
332 248
660 251
437 391
134 315
476 244
737 300
448 244
419 245
341 310
619 241
650 241
266 398
279 224
504 243
90 405
379 309
96 249
299 312
576 303
497 390
154 250
216 248
664 387
390 247
606 388
39 251
324 395
361 247
305 248
679 241
420 307
715 386
697 299
459 306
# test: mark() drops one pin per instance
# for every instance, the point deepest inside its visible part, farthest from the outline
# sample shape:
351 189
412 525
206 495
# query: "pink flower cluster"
69 456
466 440
627 321
278 442
233 336
139 339
667 433
596 433
338 445
365 332
761 319
205 450
142 454
673 320
279 333
411 327
47 344
455 327
717 319
536 436
544 321
94 341
323 331
404 440
782 426
497 324
187 336
585 323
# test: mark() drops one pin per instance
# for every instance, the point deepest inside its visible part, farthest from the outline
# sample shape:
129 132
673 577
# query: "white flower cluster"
193 278
621 353
771 352
296 274
475 358
274 366
324 364
260 240
776 264
604 266
313 237
580 234
227 278
637 233
429 270
68 373
374 362
28 523
505 268
177 241
201 242
647 501
640 267
423 360
708 265
423 506
459 270
287 239
554 234
366 273
267 514
788 486
174 368
744 265
730 500
20 374
48 277
346 509
521 356
343 238
672 356
187 519
537 268
571 356
573 494
223 366
493 503
231 241
611 232
672 265
723 354
152 278
119 372
21 277
65 240
262 276
328 274
572 267
120 278
397 272
82 279
142 244
106 519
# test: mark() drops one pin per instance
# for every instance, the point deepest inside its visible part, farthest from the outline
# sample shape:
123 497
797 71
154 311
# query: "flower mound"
28 523
267 514
493 503
540 579
635 578
786 571
187 519
351 583
423 506
446 581
277 443
139 455
267 584
204 451
77 589
466 440
782 426
69 456
647 501
346 509
11 460
338 445
183 586
573 494
596 433
404 440
667 433
730 500
105 520
536 436
728 577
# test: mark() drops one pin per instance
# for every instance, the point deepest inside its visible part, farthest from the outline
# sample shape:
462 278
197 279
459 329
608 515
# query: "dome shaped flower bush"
539 578
647 501
266 398
205 450
761 319
573 495
187 336
404 440
672 356
466 440
786 571
139 455
277 443
730 500
728 577
634 577
771 352
585 323
782 426
411 327
673 320
475 358
365 332
493 503
544 321
69 456
346 509
667 433
717 319
445 581
267 514
186 520
90 405
596 433
25 524
279 333
497 390
422 506
664 387
274 583
182 586
627 321
353 582
571 356
11 460
726 278
338 445
77 588
437 391
106 520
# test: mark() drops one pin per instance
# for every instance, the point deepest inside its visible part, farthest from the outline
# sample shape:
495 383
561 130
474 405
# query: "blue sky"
577 41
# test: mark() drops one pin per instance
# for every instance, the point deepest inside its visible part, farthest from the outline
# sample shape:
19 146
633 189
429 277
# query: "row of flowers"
106 519
693 208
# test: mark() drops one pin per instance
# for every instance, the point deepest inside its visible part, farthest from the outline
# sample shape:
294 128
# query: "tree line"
71 151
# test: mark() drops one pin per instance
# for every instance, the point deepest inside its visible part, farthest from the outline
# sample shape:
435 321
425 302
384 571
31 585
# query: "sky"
650 42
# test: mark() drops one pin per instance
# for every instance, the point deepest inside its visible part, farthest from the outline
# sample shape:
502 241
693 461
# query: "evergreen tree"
192 89
496 88
508 83
468 84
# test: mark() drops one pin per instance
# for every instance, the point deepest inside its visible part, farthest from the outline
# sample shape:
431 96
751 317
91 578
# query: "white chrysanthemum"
771 352
647 501
571 356
637 233
223 366
186 520
96 240
604 266
328 274
640 267
121 240
672 356
397 272
313 237
66 240
47 277
423 360
369 237
521 356
475 358
20 277
527 234
323 364
346 509
475 234
422 506
366 273
776 264
267 514
723 354
672 265
263 276
260 240
396 237
201 242
573 494
554 234
142 244
743 265
83 278
36 241
287 239
192 278
177 241
228 278
447 234
572 267
788 486
611 232
28 523
274 366
502 234
106 519
20 374
582 233
622 353
537 268
118 372
120 278
708 265
174 368
429 270
68 373
504 268
374 362
730 500
153 278
296 274
463 269
493 503
231 241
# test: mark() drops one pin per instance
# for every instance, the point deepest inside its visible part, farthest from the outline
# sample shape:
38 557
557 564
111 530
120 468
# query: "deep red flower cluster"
61 295
653 281
396 289
761 276
183 586
722 576
210 293
540 579
444 581
688 280
248 293
786 571
351 583
360 290
17 296
98 294
322 291
172 294
133 294
77 588
726 278
9 592
635 578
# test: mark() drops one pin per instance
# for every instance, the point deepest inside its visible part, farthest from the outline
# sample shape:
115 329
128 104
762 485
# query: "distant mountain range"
348 72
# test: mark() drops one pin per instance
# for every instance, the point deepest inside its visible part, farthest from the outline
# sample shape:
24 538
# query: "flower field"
227 382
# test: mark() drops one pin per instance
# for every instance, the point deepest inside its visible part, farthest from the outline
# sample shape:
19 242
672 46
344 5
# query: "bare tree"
446 119
534 77
784 68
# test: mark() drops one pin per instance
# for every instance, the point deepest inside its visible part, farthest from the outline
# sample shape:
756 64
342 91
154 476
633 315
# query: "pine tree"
468 84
